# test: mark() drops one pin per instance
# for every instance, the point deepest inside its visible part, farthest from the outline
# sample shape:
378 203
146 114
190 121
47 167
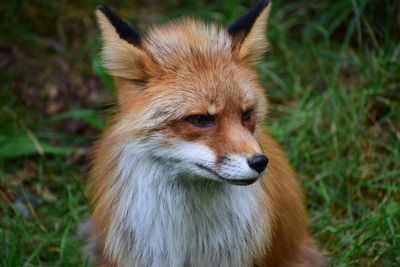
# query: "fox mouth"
230 181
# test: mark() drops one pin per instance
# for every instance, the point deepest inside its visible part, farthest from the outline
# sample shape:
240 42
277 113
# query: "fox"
186 174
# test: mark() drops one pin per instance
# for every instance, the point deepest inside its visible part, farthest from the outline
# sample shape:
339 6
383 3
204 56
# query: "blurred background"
332 74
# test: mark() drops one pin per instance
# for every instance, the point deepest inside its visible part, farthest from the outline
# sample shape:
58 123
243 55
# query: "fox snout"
238 169
231 167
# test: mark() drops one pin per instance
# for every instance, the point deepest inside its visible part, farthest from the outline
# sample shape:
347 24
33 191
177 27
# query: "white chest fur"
162 219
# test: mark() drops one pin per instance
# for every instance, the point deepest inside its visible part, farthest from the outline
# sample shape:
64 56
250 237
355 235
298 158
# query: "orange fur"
201 77
292 244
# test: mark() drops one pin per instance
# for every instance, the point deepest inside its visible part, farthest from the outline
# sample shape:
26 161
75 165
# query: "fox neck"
164 218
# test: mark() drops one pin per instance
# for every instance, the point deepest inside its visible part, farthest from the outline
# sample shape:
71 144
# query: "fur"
161 188
159 206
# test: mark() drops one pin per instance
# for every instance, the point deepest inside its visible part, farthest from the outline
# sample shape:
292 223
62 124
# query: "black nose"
258 163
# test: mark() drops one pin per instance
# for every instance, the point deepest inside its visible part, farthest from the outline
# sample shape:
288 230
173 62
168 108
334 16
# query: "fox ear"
122 51
248 33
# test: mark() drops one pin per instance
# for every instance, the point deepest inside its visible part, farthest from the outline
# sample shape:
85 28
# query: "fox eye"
200 121
246 116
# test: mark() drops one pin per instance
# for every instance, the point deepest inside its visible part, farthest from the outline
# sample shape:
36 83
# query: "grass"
332 74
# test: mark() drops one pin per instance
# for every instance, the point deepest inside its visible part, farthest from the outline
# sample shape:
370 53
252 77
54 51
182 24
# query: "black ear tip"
245 22
265 3
103 9
124 30
106 11
261 5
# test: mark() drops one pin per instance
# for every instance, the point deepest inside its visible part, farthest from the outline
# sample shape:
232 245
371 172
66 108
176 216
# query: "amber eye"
200 121
246 116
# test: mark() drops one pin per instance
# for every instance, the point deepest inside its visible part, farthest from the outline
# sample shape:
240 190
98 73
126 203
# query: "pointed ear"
122 51
248 33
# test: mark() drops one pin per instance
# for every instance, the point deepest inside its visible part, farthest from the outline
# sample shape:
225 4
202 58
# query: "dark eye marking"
201 121
246 116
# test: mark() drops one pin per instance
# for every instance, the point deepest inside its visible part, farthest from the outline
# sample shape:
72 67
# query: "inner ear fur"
122 51
248 33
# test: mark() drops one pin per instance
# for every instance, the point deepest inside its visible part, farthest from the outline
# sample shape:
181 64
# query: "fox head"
189 95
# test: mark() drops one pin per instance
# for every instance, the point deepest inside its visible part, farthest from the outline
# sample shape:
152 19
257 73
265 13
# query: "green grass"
332 75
